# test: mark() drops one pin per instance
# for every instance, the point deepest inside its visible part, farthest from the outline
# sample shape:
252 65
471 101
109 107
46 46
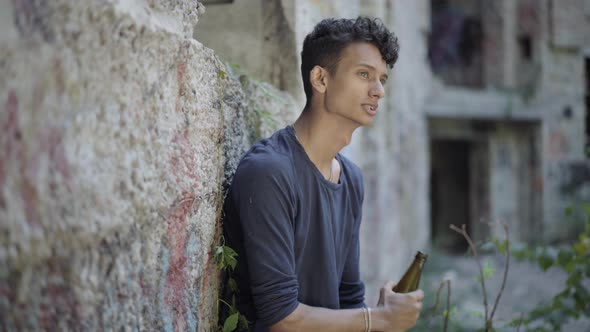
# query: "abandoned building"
122 120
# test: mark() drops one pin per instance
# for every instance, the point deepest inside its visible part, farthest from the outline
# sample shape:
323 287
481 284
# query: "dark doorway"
450 192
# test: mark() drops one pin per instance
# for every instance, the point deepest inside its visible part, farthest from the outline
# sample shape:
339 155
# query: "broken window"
527 32
455 43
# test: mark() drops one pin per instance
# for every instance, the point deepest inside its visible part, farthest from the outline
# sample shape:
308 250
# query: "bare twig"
520 321
442 284
506 266
463 232
440 287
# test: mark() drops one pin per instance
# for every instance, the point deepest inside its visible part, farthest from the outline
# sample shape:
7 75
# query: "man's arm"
307 318
264 200
395 313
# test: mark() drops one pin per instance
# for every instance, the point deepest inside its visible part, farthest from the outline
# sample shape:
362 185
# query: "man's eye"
364 74
383 82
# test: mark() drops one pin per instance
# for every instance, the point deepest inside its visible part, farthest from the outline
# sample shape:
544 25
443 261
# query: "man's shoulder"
265 158
268 156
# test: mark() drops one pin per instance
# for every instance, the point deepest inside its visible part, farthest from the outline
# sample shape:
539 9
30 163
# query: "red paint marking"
15 150
52 145
59 304
182 163
30 200
176 277
207 271
183 160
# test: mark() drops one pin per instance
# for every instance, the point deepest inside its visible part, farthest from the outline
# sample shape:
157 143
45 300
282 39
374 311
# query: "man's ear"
319 79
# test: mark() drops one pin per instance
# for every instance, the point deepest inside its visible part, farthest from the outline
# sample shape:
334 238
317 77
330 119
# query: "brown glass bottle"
411 279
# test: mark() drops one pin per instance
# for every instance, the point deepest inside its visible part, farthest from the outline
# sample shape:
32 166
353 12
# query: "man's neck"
322 135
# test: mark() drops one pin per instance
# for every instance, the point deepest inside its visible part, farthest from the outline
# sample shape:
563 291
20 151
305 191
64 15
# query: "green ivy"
573 301
226 259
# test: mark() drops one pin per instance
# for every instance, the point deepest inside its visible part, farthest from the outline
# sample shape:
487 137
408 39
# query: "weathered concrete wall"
118 132
552 81
534 71
514 192
264 31
562 89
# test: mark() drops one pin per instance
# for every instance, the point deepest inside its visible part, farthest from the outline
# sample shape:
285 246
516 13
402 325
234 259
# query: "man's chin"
367 121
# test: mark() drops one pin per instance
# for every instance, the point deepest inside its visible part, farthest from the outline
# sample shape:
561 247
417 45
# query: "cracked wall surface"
119 131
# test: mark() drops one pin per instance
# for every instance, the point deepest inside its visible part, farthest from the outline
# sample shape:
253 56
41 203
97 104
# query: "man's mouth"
370 108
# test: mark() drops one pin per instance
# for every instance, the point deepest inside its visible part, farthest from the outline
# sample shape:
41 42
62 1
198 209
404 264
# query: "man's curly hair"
324 45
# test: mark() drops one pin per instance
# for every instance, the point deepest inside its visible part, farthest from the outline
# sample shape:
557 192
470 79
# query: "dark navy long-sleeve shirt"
296 233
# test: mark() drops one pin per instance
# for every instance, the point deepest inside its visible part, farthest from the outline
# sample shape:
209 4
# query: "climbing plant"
226 259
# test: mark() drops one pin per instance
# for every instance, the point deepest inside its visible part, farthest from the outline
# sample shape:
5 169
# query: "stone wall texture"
119 131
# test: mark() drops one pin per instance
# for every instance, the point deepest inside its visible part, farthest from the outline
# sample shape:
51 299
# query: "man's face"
355 88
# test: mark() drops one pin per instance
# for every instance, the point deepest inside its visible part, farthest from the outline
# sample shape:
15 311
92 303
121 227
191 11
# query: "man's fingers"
418 295
389 285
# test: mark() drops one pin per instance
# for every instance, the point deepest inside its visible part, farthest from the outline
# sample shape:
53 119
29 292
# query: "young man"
293 210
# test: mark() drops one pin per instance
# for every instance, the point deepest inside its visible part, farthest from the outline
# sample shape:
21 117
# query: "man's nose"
377 90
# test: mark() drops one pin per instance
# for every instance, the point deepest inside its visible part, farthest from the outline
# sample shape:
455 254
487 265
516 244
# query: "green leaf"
582 247
488 270
229 251
545 261
230 257
564 258
233 286
231 322
520 251
221 74
243 322
501 245
476 313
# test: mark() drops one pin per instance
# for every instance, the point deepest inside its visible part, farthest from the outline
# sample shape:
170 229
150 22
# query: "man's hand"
399 311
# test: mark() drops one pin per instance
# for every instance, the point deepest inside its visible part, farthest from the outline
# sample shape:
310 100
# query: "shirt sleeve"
265 205
352 289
